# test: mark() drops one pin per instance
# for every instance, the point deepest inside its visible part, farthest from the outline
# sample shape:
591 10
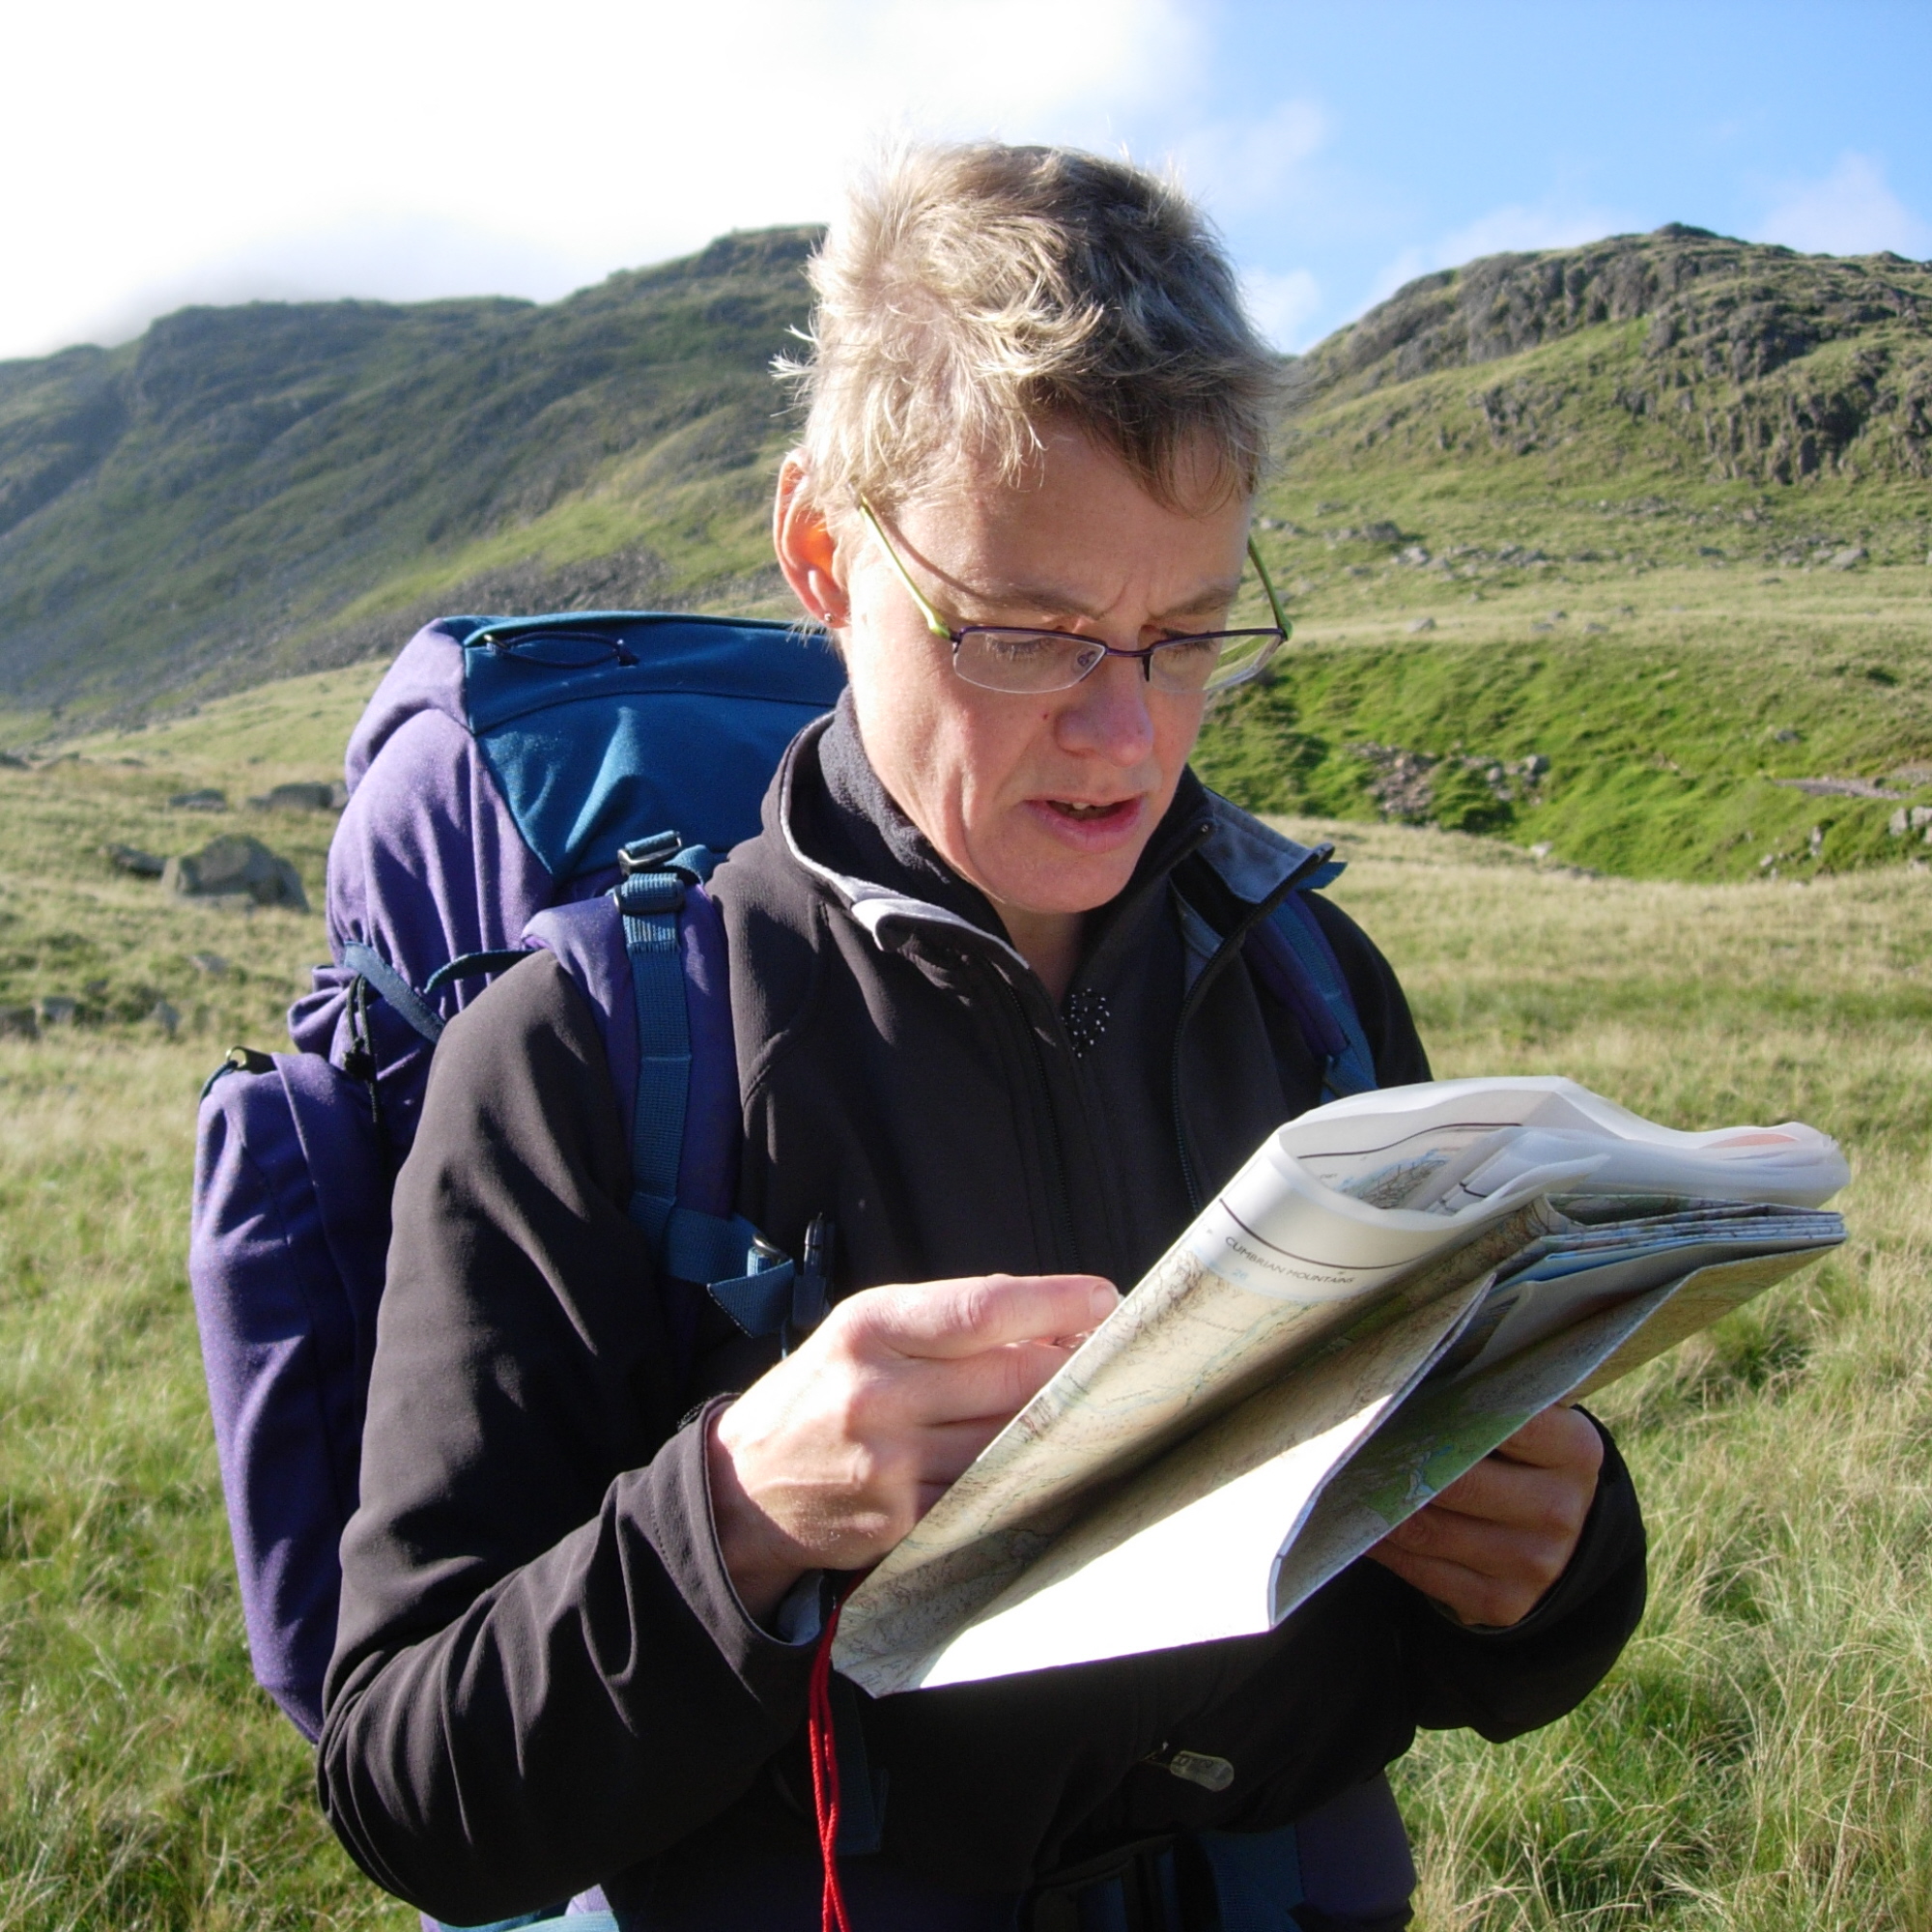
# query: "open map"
1387 1290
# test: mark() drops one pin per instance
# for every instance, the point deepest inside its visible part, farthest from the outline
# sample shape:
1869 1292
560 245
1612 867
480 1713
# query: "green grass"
1757 1760
1759 1757
1668 702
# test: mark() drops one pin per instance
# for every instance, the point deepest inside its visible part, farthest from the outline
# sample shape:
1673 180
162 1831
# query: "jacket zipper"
1059 1201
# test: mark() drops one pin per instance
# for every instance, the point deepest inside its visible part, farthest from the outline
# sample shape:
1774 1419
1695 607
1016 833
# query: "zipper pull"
1211 1774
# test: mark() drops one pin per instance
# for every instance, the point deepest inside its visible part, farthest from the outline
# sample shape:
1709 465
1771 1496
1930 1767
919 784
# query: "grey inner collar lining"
873 905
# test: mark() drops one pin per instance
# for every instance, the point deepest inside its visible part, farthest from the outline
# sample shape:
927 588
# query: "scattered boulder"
1914 818
56 1009
236 871
166 1017
1837 788
1416 556
1420 625
18 1023
131 859
211 963
11 762
306 795
207 798
1848 560
1409 787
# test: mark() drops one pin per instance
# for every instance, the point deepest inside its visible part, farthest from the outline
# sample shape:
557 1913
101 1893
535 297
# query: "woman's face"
1045 801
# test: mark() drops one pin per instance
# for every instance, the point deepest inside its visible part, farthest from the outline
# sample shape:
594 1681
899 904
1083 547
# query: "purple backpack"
509 784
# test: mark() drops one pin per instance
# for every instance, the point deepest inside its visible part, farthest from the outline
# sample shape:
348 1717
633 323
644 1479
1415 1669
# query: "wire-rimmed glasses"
1018 659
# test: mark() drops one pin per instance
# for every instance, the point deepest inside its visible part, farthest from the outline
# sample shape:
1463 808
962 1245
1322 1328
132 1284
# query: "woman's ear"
807 553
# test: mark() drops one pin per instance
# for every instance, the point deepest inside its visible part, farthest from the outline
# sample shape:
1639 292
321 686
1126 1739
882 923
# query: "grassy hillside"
1623 553
1755 1762
248 492
1654 512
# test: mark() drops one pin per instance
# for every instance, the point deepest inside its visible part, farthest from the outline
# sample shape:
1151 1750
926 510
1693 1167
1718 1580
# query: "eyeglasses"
1006 657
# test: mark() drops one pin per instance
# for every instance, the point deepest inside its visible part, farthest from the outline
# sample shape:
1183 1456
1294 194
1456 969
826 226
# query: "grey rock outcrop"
306 795
207 798
238 870
131 859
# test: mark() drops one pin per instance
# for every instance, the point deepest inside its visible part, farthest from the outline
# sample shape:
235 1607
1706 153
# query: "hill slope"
1653 514
247 492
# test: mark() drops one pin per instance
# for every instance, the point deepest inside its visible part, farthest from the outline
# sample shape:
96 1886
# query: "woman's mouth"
1091 826
1084 813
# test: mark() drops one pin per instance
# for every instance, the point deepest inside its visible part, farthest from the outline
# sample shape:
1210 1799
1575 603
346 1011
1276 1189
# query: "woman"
576 1633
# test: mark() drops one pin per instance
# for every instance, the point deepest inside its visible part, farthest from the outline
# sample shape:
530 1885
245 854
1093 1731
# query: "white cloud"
1281 305
1514 229
387 258
1240 166
1850 212
390 145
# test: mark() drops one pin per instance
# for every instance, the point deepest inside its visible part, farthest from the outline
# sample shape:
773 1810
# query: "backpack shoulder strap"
722 1252
1295 930
1289 955
680 1081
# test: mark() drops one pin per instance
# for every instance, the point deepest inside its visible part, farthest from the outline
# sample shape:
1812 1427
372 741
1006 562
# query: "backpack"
511 784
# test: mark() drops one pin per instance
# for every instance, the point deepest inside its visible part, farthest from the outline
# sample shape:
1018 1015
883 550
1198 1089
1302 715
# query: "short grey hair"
972 294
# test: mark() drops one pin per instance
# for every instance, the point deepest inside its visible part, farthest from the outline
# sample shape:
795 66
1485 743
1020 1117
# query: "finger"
944 1318
1468 1597
1520 1494
1557 1439
1535 1558
990 1386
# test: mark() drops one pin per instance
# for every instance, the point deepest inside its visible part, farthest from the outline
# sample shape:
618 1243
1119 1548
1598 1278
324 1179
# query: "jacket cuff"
683 1532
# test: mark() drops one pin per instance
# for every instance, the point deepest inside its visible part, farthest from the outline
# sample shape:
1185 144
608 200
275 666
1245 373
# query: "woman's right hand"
829 1459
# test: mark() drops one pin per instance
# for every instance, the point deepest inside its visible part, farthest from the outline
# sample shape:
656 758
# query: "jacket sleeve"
526 1648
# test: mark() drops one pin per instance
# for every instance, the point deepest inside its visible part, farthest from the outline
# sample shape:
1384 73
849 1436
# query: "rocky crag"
1679 351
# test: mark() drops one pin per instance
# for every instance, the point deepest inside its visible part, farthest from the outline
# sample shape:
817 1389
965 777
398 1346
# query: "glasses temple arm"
1281 622
933 621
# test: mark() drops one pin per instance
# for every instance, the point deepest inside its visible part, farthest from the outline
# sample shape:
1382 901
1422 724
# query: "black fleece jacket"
543 1678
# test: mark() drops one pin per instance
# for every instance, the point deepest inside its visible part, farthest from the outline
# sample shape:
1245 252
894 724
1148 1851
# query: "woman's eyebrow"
1058 599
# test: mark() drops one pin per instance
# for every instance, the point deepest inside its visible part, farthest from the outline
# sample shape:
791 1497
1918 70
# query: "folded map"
1390 1287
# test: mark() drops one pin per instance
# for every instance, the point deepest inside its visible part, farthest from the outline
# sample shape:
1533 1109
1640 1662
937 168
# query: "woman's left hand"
1490 1546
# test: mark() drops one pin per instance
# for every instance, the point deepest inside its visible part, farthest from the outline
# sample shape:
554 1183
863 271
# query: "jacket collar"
839 826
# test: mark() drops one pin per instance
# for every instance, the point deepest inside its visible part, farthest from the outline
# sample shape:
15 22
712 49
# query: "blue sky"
219 149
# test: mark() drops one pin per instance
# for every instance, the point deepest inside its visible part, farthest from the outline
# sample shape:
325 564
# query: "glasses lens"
1001 660
1194 664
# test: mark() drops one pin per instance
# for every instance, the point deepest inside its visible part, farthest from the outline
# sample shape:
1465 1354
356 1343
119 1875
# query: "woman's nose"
1106 713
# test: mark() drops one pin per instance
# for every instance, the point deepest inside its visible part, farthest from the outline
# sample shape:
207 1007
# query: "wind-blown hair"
971 296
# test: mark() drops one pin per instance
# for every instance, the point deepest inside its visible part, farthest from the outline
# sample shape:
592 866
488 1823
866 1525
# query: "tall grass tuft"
1761 1757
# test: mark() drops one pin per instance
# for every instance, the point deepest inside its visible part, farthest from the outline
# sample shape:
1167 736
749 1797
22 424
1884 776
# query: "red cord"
824 1748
